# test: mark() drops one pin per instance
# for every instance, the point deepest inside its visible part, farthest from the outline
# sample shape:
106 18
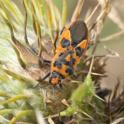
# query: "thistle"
29 39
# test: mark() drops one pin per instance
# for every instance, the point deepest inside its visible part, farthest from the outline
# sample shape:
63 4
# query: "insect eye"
65 43
54 75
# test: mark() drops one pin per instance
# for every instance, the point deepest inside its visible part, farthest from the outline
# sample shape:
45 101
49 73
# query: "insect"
73 44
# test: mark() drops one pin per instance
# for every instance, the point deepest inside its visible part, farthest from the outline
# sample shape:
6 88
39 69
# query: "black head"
55 78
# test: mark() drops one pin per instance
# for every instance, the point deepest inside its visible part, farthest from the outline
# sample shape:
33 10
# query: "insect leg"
40 80
47 75
43 62
46 61
55 41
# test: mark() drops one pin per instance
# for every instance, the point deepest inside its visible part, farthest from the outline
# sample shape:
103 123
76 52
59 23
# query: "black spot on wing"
74 43
65 43
69 70
72 61
65 62
79 51
78 32
70 52
62 56
58 64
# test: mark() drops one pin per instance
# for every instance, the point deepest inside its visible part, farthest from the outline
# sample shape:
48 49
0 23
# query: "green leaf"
69 111
83 91
5 111
20 115
13 99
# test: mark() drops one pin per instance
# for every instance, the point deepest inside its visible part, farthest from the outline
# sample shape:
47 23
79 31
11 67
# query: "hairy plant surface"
27 45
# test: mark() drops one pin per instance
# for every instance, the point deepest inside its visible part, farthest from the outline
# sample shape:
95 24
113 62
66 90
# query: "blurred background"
17 92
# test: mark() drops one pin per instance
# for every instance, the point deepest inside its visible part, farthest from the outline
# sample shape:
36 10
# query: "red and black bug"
73 44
